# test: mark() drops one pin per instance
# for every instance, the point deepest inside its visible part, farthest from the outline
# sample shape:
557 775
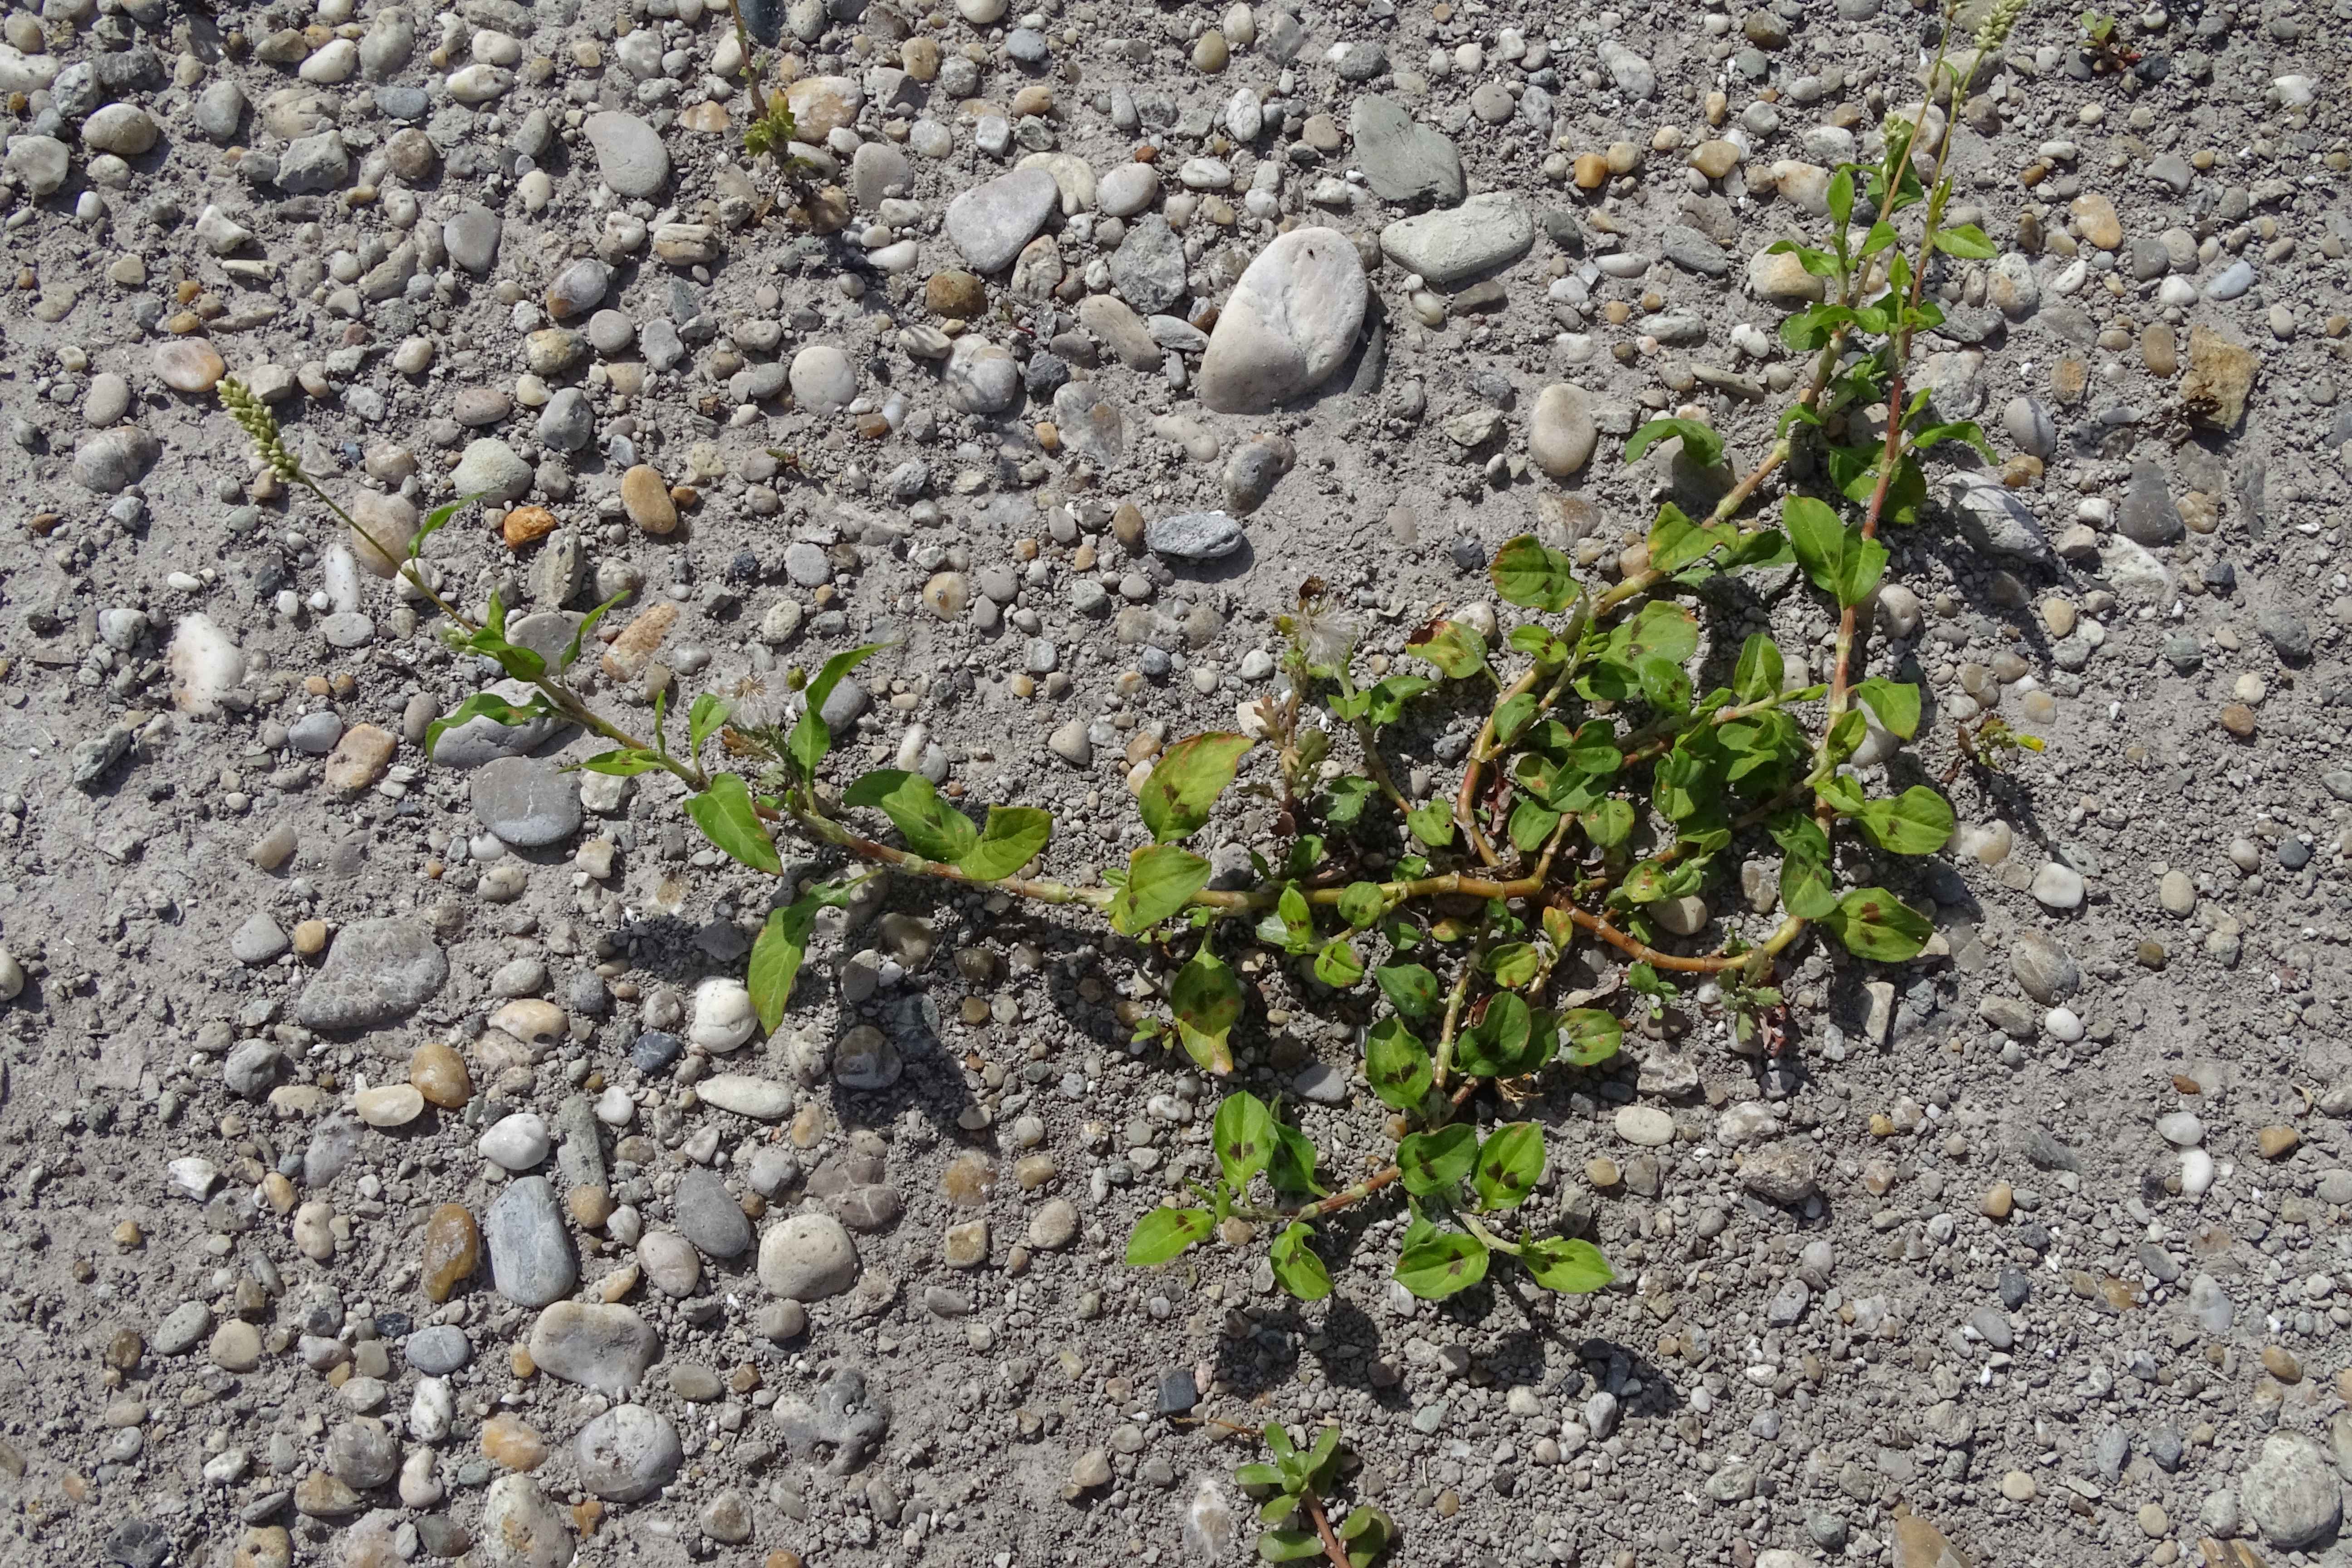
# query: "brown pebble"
2238 718
2282 1365
1602 1172
439 1074
1592 171
648 499
523 524
511 1442
453 1246
2276 1142
311 938
1998 1200
2156 350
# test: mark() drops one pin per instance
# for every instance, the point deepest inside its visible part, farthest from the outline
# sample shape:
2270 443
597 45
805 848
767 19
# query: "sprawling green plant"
1603 787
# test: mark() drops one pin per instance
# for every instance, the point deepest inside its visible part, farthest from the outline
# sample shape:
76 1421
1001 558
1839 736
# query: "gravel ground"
390 1173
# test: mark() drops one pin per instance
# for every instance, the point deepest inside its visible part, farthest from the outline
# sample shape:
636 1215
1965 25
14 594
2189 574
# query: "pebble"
990 223
526 803
531 1261
1193 535
1290 322
378 971
604 1347
628 1453
1562 433
630 157
808 1257
708 1216
1645 1125
1455 246
2291 1493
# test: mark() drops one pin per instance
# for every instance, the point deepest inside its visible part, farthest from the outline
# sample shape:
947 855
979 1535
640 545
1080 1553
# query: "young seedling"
1292 1494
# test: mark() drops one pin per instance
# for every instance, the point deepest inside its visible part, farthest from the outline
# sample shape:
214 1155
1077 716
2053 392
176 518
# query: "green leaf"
1837 559
1362 904
1384 703
1881 236
1817 537
1296 1268
1453 647
811 738
1510 1163
438 519
1864 563
1289 1545
1292 1168
1411 989
1533 575
1761 670
1322 1460
1365 1533
1874 923
1344 799
727 817
1513 717
1186 782
1845 736
1608 823
1432 824
627 762
1164 1233
1397 1063
1897 703
782 942
1965 241
570 655
1917 822
1840 203
1243 1135
1291 926
1537 644
1576 1267
1965 430
932 827
1666 687
1436 1162
1497 1046
1805 888
1594 1036
1701 444
1207 1001
703 720
484 705
1676 541
1514 964
1443 1265
1662 630
1161 880
1015 834
1258 1475
1531 826
1338 966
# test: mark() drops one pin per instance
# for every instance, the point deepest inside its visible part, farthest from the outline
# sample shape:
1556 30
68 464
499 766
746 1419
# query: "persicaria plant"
1628 756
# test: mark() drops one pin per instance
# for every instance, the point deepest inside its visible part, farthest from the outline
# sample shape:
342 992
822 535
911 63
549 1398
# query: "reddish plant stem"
1331 1547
